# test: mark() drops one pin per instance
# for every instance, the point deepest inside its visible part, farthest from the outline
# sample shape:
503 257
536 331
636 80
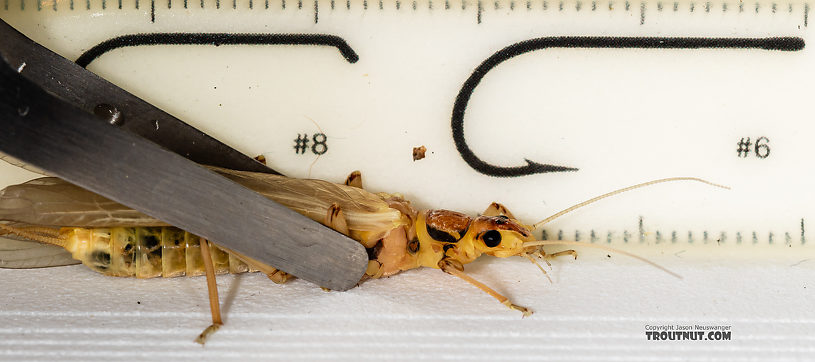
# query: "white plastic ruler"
620 91
537 104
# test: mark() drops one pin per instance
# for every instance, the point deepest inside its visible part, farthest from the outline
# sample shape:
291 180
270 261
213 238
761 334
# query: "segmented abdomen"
145 252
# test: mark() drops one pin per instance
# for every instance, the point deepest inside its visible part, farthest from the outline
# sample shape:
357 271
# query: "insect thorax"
443 233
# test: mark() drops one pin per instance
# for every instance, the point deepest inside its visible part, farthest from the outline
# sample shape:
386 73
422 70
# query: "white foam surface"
596 310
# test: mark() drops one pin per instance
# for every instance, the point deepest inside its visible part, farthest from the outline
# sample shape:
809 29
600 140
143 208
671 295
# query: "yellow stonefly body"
115 240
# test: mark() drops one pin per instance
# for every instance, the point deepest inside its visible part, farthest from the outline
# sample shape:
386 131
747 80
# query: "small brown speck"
418 152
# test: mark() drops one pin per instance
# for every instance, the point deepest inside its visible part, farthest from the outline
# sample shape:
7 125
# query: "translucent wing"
21 164
50 201
369 216
31 254
53 202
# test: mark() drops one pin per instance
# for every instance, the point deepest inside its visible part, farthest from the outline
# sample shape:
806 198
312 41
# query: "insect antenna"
615 192
606 248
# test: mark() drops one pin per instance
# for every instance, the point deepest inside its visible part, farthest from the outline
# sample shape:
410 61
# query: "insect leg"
212 288
561 253
354 179
496 209
453 267
274 274
525 255
335 219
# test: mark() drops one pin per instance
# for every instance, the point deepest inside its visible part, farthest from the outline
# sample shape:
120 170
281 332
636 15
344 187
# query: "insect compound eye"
492 238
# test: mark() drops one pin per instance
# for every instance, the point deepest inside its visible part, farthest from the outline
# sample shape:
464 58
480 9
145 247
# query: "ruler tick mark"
380 5
627 6
316 11
738 238
755 238
478 12
608 237
299 4
529 5
676 6
593 237
690 237
577 235
594 6
169 4
578 5
641 231
741 7
413 5
803 236
560 234
806 14
347 4
495 4
707 6
659 6
235 4
673 237
692 7
398 5
774 8
152 11
560 6
120 5
137 4
642 13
